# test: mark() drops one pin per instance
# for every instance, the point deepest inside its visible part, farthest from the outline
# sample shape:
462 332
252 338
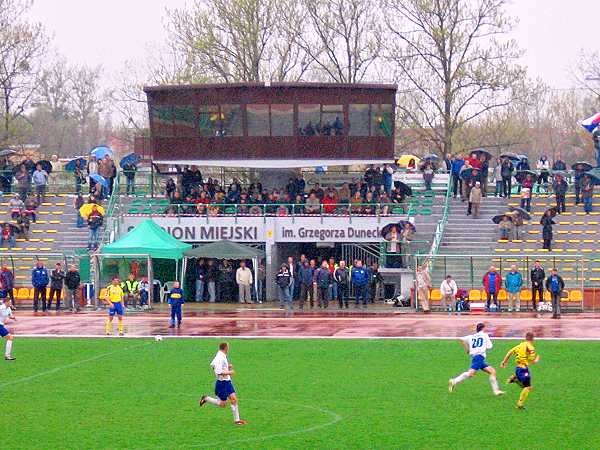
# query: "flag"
591 123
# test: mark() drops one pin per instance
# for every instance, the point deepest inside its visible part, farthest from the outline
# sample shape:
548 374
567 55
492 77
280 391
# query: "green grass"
112 394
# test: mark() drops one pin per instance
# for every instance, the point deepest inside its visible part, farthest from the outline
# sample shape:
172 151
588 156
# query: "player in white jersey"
224 389
5 314
476 346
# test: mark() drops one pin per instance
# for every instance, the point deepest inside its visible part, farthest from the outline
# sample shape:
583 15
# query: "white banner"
274 229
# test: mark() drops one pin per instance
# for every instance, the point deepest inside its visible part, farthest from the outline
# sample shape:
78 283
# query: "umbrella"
431 157
480 152
101 151
594 177
131 158
15 229
6 152
46 165
510 155
70 166
582 165
523 157
86 209
99 179
467 173
521 174
520 211
497 219
399 227
553 212
404 188
405 159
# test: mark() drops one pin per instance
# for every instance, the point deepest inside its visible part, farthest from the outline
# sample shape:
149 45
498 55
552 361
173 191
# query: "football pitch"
142 394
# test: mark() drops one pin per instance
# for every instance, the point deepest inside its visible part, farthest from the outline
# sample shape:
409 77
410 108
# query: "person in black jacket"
341 276
537 283
283 280
560 187
555 285
72 283
57 277
375 282
324 282
547 222
506 173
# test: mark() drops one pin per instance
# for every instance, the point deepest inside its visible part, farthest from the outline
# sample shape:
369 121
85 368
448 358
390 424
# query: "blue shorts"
523 375
478 362
223 389
117 308
3 331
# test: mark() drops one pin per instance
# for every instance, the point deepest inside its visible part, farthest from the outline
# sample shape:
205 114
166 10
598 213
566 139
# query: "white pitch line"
68 366
358 337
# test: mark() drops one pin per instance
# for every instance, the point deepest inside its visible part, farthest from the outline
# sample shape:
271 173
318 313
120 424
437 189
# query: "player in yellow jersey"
115 300
525 355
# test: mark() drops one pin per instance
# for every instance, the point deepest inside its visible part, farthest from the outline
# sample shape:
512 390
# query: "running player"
5 314
525 354
476 346
224 389
116 305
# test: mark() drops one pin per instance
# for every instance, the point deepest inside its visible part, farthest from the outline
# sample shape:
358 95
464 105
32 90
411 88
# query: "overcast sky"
110 32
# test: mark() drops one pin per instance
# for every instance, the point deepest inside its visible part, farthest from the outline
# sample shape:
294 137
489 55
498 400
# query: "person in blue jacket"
176 300
39 281
360 278
513 284
455 166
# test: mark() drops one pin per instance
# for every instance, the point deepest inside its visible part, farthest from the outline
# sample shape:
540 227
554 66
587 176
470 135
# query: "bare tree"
238 40
342 37
586 72
22 45
454 63
86 102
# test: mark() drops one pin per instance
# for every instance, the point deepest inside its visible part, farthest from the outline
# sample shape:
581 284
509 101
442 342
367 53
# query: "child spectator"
462 300
526 198
30 207
16 206
23 225
144 292
176 300
7 236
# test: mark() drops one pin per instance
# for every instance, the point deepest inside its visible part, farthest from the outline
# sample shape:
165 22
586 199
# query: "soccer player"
525 354
476 346
116 305
5 314
224 389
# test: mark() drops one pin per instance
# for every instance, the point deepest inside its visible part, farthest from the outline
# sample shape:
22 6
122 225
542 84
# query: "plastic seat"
23 294
436 295
575 295
102 293
547 296
502 295
425 212
474 295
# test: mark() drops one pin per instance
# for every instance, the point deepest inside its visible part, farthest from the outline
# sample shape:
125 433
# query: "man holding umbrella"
587 192
579 169
129 166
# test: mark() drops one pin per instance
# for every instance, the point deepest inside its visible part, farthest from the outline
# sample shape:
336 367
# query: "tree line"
461 80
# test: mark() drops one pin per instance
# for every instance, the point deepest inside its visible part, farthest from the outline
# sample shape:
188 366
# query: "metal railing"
162 207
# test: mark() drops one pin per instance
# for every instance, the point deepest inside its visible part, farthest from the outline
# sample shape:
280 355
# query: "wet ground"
270 322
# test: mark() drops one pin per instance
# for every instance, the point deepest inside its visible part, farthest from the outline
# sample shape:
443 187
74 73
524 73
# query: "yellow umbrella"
405 159
86 209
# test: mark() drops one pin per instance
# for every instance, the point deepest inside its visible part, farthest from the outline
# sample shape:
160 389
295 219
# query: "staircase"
53 235
465 236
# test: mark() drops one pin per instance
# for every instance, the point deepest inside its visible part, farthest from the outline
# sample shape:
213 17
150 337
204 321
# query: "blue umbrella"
70 166
595 179
99 179
431 157
101 151
131 158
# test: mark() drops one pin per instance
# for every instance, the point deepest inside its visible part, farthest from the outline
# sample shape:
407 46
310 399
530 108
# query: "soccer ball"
158 338
493 307
545 307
